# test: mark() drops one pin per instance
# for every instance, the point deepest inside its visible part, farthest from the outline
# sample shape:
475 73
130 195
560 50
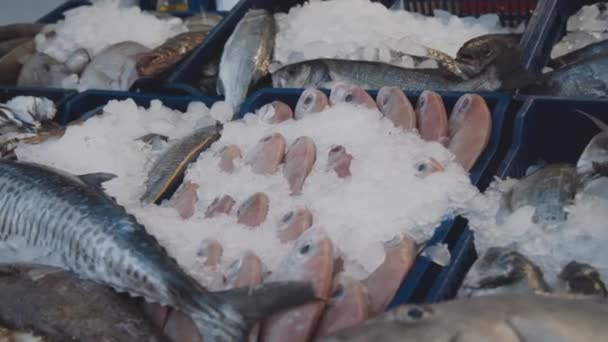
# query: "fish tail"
241 308
601 125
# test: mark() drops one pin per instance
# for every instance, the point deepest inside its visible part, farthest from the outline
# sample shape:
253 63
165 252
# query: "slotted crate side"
426 281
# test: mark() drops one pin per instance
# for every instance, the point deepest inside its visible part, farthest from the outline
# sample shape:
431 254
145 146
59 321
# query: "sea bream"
51 217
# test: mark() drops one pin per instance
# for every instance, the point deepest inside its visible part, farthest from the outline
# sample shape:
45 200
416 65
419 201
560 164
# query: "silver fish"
594 158
41 70
53 218
171 164
246 56
504 318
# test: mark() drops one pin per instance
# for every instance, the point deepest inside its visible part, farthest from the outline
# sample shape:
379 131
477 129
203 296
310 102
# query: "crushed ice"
587 26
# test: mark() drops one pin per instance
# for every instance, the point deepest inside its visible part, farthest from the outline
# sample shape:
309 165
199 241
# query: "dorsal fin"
600 124
97 178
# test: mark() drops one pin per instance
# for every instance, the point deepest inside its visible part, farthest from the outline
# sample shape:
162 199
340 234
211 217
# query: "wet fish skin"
275 112
60 306
531 318
311 101
347 307
220 205
395 106
299 161
185 200
324 73
500 50
432 118
293 224
246 56
228 155
594 159
580 55
41 70
168 54
339 160
348 93
57 219
267 155
172 163
583 279
253 211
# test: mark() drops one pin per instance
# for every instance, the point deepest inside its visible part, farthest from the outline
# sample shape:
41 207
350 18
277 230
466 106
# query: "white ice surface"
588 25
383 198
361 29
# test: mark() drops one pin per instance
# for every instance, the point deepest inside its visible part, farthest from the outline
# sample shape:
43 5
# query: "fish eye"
421 167
305 249
348 97
287 217
336 149
308 100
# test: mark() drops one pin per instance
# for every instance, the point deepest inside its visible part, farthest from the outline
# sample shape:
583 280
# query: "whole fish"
246 56
12 62
586 78
324 73
170 53
577 56
500 318
58 219
113 68
432 118
41 70
20 30
548 190
62 307
311 101
583 278
500 50
166 172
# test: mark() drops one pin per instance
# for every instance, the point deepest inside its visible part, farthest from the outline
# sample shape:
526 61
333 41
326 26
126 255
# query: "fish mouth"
470 67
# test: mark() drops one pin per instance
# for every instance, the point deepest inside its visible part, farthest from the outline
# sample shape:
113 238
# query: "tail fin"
601 125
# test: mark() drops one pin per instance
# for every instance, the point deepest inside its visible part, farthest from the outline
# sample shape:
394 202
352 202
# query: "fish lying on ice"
58 219
160 59
41 70
599 49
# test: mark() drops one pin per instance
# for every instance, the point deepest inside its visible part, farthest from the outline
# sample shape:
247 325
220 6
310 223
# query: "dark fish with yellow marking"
170 53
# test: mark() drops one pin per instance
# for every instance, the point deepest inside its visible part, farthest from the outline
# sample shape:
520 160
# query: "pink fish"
339 160
211 250
180 327
384 282
348 93
267 155
293 224
393 103
299 161
348 306
470 129
254 210
432 118
220 205
184 201
275 112
428 166
228 155
311 101
310 259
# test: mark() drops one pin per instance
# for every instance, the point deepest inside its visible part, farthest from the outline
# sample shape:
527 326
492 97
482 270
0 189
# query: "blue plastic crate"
58 96
428 282
184 78
550 129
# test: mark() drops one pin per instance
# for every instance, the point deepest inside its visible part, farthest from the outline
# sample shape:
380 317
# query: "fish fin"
220 87
601 125
97 178
531 328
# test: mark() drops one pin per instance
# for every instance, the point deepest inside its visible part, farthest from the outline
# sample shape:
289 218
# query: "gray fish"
593 162
500 318
580 55
62 307
587 78
113 68
246 56
41 70
20 30
583 279
167 170
58 219
548 190
501 50
324 73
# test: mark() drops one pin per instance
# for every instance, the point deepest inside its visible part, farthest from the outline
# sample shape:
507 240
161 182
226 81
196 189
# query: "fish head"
427 166
310 259
351 94
596 153
582 278
495 49
499 266
300 75
247 270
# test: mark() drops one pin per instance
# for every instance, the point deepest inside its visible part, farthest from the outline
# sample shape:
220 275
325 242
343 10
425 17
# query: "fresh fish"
432 119
348 93
427 166
246 56
500 318
583 279
577 56
324 73
587 78
220 205
311 101
60 306
11 63
228 156
339 160
299 160
185 200
384 282
20 30
57 219
311 259
501 50
113 68
595 156
470 127
503 267
347 307
293 224
9 45
253 211
160 59
170 166
267 155
548 190
275 112
41 70
211 251
393 103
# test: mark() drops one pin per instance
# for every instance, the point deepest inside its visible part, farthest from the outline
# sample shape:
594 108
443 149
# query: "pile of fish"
116 67
550 190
